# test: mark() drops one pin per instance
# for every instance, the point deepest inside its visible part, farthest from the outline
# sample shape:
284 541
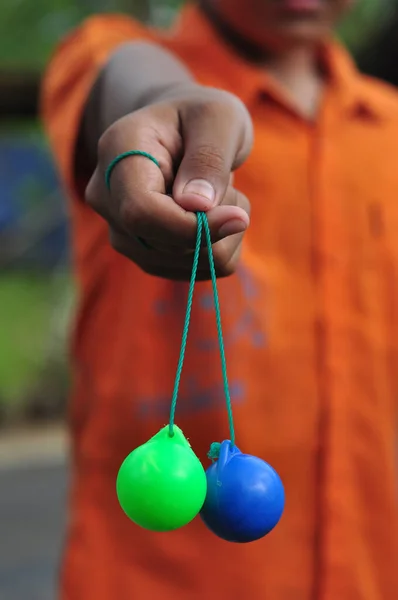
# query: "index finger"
143 207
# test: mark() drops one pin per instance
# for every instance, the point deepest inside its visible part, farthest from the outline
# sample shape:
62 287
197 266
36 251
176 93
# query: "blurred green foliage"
364 21
24 301
29 29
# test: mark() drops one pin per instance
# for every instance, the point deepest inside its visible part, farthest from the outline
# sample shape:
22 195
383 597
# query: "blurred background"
36 287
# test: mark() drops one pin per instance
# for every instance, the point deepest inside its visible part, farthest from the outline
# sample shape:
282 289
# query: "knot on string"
214 451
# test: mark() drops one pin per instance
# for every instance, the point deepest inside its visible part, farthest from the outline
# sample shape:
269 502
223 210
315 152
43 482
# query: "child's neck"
298 73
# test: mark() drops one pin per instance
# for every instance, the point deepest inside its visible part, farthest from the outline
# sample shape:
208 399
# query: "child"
308 292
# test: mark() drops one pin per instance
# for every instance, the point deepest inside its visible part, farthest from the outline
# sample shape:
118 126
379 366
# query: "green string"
203 224
186 325
121 157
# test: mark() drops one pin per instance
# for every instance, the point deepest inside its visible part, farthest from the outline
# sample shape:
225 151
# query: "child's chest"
323 194
324 227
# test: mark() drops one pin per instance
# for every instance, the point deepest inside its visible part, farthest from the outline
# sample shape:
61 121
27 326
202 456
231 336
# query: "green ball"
162 485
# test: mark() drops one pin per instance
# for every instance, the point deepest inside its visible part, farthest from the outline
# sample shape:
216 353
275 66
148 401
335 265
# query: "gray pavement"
33 480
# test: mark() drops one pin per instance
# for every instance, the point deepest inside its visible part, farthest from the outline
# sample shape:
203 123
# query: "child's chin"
303 32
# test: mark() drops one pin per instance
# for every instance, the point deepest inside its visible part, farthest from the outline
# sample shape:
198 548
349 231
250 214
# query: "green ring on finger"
112 165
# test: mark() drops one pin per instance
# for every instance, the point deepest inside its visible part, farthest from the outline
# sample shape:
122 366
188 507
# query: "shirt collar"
356 94
200 40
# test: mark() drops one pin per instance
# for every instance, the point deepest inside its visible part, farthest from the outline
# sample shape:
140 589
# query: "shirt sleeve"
69 78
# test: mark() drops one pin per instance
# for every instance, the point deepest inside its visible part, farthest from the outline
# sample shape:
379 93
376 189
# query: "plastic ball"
161 485
245 496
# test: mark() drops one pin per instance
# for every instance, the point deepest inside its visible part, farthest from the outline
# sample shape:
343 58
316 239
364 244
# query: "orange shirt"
311 333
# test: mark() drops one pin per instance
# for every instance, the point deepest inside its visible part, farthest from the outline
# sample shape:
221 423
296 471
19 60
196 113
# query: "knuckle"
151 269
226 262
136 217
243 202
155 269
221 256
215 102
234 197
91 192
92 198
230 102
117 242
227 269
129 215
114 138
117 246
231 197
89 195
104 143
198 111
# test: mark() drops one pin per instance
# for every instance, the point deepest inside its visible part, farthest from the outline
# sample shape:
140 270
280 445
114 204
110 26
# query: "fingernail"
200 187
231 227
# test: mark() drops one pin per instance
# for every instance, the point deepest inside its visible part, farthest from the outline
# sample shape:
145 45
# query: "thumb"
216 140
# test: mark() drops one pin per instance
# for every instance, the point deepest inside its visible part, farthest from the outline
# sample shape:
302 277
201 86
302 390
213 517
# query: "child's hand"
199 136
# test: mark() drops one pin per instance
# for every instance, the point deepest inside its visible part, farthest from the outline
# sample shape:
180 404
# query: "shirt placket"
328 256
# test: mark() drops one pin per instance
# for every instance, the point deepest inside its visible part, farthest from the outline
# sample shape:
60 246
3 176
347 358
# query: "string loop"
203 225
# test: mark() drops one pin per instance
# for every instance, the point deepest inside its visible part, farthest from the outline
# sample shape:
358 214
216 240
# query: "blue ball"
245 496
